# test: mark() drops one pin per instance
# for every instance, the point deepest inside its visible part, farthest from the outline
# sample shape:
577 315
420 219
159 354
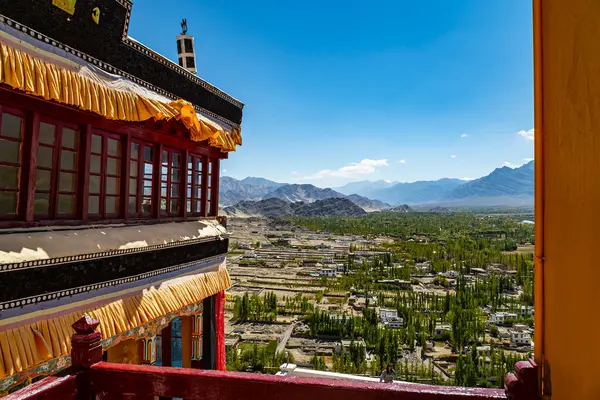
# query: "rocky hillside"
502 182
274 207
368 204
232 191
305 193
404 208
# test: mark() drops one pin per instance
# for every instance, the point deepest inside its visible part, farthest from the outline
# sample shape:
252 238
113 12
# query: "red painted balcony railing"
90 378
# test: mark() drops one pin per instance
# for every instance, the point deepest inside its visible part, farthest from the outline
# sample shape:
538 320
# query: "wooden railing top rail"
144 382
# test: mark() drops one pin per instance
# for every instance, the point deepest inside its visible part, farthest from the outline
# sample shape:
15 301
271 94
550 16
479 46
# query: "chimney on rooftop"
185 49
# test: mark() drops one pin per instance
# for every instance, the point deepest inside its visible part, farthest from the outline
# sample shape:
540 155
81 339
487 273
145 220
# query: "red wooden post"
523 383
220 328
86 350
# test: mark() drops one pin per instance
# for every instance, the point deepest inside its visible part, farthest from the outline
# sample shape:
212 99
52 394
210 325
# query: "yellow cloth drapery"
41 78
26 346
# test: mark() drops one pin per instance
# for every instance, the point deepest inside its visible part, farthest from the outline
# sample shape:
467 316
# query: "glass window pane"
174 190
43 178
190 162
133 168
133 186
41 203
147 205
175 175
188 206
135 151
94 184
113 147
148 169
11 126
132 207
68 160
45 156
197 191
94 205
198 162
176 159
47 133
95 164
9 151
147 188
8 203
113 166
174 206
165 157
197 178
66 204
197 204
210 167
9 177
148 152
69 138
189 192
111 205
163 204
112 185
163 189
67 182
97 144
189 178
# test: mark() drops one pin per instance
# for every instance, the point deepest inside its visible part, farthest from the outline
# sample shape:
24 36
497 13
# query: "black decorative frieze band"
36 281
104 40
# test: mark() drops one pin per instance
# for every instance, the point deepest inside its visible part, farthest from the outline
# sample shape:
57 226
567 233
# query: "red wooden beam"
145 381
50 388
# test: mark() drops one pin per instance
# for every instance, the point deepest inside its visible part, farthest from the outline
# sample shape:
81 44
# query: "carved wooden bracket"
86 343
523 383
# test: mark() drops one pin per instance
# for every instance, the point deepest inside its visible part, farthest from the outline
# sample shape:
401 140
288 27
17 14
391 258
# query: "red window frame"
12 164
93 165
57 170
195 169
106 168
171 174
141 188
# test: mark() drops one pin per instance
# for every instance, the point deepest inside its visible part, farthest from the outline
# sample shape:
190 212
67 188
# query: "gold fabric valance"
42 78
26 346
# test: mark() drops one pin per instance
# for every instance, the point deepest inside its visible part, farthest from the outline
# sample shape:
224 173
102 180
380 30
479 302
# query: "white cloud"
224 170
294 172
453 156
510 165
403 161
467 179
364 167
528 159
464 135
526 134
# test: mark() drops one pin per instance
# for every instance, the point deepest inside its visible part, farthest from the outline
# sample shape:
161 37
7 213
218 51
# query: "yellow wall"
126 352
186 341
567 58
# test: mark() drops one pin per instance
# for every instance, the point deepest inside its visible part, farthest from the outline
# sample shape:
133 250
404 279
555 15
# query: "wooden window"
56 172
170 183
141 175
105 175
209 188
12 126
194 185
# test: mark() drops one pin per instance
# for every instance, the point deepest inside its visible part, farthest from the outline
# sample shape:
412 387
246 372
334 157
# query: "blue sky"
344 91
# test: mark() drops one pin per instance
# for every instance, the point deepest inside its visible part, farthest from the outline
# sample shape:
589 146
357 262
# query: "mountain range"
502 187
